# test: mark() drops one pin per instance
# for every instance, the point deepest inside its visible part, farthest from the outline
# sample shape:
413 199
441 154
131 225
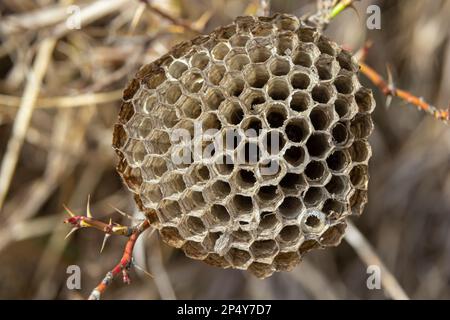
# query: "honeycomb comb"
282 158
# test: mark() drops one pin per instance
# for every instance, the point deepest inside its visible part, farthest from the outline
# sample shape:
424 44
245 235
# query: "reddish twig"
123 266
390 91
109 229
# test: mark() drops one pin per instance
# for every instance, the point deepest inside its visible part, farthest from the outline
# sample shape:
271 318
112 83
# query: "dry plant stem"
124 264
23 117
390 90
176 21
367 254
65 101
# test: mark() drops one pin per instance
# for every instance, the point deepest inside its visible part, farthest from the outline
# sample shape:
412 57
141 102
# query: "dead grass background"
66 152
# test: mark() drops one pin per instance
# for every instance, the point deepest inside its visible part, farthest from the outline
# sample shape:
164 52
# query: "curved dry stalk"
368 255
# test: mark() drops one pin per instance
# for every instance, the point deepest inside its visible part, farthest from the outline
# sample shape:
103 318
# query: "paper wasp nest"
247 147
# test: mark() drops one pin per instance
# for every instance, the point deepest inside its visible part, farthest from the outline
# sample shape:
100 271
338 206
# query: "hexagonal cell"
276 115
259 54
343 106
338 161
177 68
292 183
291 207
286 261
302 57
193 81
224 164
216 260
326 46
333 235
131 176
333 208
239 40
211 123
364 100
338 186
327 67
253 97
289 235
261 270
192 201
322 93
307 246
220 51
239 258
171 236
240 205
360 151
278 89
197 174
172 183
158 142
169 210
300 80
295 156
307 34
191 107
313 221
200 60
361 126
268 224
217 215
256 75
194 250
344 83
359 176
271 170
285 43
231 138
216 73
155 80
297 130
264 249
318 145
217 190
151 194
135 152
347 61
358 201
193 225
248 153
273 142
232 112
280 67
321 117
238 61
213 98
314 196
269 196
300 101
287 23
153 167
172 93
241 237
244 179
233 83
251 126
316 172
340 134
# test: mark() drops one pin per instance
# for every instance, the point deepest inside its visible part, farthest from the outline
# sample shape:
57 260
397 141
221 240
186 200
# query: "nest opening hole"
280 67
259 54
243 204
319 119
300 80
278 89
315 170
290 233
246 179
321 94
339 134
300 101
290 207
295 156
258 76
268 193
337 161
313 196
318 145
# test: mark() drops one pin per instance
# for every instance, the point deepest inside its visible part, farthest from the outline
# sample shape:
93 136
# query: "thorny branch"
133 233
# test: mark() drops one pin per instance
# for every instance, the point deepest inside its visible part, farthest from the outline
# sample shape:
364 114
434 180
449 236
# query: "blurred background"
66 153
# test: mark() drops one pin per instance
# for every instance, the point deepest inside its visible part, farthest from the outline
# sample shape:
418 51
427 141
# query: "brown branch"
390 90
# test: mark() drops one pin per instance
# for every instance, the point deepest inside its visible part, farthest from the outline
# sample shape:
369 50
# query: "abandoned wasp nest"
247 147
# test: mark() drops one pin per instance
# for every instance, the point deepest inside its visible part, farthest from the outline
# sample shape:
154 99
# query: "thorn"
142 269
391 87
88 207
107 235
68 211
124 214
71 231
